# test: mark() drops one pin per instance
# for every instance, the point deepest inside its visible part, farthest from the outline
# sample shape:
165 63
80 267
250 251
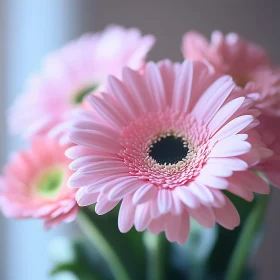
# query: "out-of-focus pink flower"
247 63
34 185
71 73
269 130
250 67
167 142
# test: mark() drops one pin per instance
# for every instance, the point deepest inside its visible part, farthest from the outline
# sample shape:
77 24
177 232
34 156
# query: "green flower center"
79 97
50 182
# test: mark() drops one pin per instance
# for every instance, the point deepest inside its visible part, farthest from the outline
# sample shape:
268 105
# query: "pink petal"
213 98
241 190
230 147
212 181
235 164
145 193
186 196
224 114
227 216
142 216
85 160
104 168
77 152
164 199
216 170
219 198
84 198
183 87
93 140
233 127
78 180
135 84
185 228
173 226
155 85
202 192
126 215
104 205
203 215
108 112
124 188
252 181
178 206
124 96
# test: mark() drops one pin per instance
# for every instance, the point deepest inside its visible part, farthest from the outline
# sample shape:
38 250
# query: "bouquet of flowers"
179 156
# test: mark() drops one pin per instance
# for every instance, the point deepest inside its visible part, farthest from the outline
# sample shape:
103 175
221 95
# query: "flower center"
241 81
168 150
79 97
50 182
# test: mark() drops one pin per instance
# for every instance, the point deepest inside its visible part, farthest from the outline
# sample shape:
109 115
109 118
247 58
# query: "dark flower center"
169 150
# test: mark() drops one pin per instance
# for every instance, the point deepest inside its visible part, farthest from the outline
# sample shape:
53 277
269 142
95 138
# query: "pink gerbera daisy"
247 63
269 130
166 143
250 67
34 185
70 73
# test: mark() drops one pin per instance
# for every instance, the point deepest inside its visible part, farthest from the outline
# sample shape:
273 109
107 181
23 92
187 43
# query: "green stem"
101 244
247 236
155 256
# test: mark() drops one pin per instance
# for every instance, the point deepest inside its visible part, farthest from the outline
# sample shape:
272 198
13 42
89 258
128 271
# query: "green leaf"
83 261
227 239
128 247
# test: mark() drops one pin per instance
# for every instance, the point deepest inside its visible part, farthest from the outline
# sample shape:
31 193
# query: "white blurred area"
31 28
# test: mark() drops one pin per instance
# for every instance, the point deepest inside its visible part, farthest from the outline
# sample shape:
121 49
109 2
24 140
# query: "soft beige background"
168 20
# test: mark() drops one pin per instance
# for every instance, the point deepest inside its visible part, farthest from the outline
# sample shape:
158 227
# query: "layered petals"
70 74
174 139
34 185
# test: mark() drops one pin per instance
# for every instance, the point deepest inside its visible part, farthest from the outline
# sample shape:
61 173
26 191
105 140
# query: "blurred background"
30 29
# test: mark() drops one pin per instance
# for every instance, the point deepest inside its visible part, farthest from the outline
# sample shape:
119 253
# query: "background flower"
250 67
71 73
166 143
34 185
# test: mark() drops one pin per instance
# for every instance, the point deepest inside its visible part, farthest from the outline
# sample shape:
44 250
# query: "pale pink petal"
224 114
164 199
185 228
230 147
203 215
183 87
227 216
235 164
138 88
146 192
123 95
126 215
142 216
84 198
104 205
202 192
213 98
251 180
155 85
124 188
173 226
233 127
186 196
212 181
